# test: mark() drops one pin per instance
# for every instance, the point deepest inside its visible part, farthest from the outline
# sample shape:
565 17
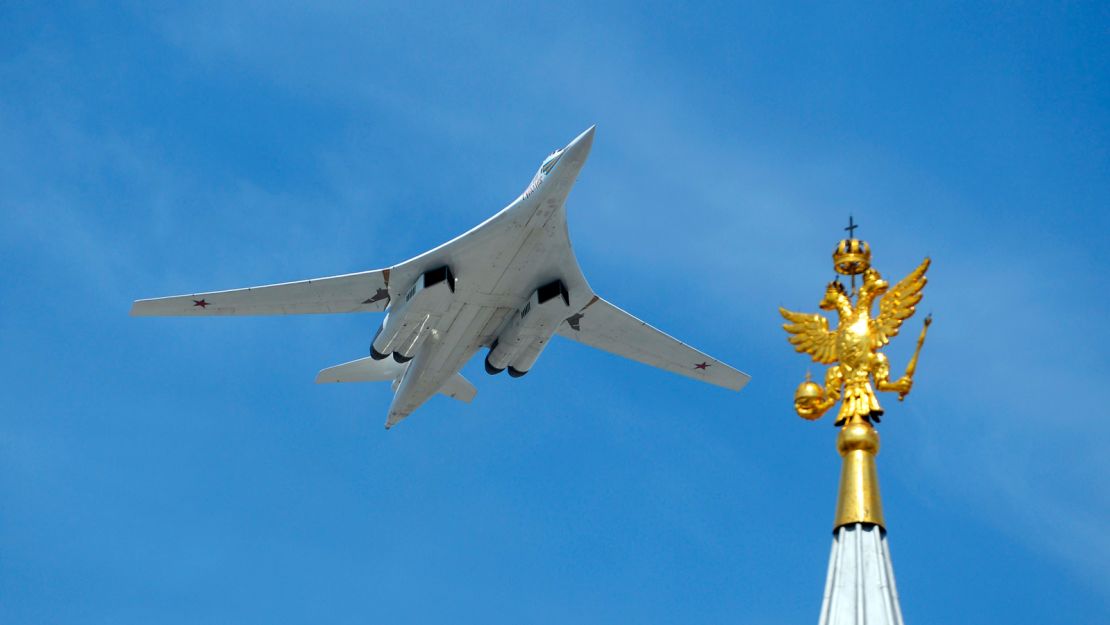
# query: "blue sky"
184 471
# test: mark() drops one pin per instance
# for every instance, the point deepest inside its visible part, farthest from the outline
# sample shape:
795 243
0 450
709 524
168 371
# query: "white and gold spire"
860 586
859 589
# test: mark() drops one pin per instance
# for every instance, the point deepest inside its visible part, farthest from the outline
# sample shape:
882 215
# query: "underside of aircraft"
509 284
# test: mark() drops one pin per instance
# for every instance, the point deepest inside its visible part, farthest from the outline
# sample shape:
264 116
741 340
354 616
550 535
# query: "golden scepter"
912 367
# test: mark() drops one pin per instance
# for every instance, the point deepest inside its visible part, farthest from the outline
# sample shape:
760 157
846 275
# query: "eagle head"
835 295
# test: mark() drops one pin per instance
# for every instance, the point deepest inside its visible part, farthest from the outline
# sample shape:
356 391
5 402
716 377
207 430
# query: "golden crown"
852 257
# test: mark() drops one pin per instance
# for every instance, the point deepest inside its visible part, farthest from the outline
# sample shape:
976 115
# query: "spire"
860 586
859 589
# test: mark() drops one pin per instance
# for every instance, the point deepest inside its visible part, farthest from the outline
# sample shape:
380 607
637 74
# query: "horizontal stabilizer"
458 387
362 370
386 370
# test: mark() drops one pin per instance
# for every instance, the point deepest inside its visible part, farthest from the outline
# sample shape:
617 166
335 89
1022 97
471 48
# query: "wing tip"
156 307
138 308
742 380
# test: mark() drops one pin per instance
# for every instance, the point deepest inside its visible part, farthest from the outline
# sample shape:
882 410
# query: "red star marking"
703 366
200 302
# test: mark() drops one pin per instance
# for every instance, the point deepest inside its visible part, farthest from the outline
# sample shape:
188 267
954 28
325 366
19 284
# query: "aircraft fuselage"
497 271
509 284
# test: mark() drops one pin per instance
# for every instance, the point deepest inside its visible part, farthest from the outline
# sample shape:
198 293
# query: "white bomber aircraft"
510 283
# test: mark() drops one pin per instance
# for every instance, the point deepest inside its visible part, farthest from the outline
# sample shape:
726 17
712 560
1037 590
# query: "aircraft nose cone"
578 149
584 140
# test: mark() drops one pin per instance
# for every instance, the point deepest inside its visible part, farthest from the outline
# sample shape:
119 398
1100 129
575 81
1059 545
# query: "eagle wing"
810 334
898 304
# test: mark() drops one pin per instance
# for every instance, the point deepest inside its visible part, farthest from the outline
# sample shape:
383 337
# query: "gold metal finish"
855 343
859 500
912 367
851 257
853 349
809 395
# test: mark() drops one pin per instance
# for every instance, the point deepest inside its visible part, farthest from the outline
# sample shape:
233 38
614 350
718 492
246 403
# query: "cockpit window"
549 164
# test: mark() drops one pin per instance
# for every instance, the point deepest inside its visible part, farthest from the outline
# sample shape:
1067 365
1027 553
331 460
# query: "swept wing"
606 327
366 291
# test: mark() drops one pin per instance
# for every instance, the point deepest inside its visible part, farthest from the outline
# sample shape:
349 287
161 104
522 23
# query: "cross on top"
851 228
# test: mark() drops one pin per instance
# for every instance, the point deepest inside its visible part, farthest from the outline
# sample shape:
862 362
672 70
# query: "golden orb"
806 398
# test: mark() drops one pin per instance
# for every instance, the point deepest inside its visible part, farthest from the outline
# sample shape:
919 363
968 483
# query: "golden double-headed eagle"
852 347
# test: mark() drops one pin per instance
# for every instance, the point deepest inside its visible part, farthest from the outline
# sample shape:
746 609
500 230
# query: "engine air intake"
433 277
551 290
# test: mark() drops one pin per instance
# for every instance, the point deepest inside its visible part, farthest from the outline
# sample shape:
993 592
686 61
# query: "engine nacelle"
505 346
527 357
375 354
407 319
528 330
396 327
406 349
